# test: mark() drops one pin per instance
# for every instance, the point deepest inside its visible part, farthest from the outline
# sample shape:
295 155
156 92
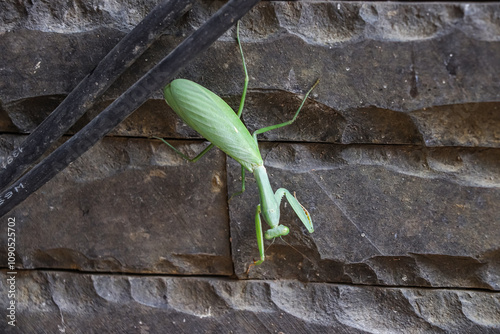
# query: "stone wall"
396 155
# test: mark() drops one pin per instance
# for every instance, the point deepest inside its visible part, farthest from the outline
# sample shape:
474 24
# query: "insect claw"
250 266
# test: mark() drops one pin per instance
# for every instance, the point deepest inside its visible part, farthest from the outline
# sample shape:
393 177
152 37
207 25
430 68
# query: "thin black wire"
121 57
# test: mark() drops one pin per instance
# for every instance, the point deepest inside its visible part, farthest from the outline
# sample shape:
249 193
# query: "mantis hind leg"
196 158
272 127
242 103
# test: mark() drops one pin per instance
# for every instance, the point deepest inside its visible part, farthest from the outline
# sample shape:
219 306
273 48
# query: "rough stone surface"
66 302
72 16
129 205
431 70
396 155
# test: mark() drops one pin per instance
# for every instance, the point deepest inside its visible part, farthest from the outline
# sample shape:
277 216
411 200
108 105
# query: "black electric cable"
123 106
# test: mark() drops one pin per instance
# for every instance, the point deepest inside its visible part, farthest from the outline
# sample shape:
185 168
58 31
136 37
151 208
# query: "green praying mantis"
214 119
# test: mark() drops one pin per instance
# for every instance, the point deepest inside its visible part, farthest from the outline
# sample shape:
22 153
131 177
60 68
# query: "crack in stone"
346 215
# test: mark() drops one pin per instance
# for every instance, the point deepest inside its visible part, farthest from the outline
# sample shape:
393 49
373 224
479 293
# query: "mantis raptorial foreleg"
299 209
301 212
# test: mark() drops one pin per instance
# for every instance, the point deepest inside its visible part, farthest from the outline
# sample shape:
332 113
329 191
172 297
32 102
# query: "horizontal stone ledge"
65 301
396 77
379 20
461 125
436 87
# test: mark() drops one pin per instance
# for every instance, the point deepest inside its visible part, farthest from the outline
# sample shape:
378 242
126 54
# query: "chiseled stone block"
70 302
129 205
384 215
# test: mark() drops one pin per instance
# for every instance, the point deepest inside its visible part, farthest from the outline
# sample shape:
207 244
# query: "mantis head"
277 231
